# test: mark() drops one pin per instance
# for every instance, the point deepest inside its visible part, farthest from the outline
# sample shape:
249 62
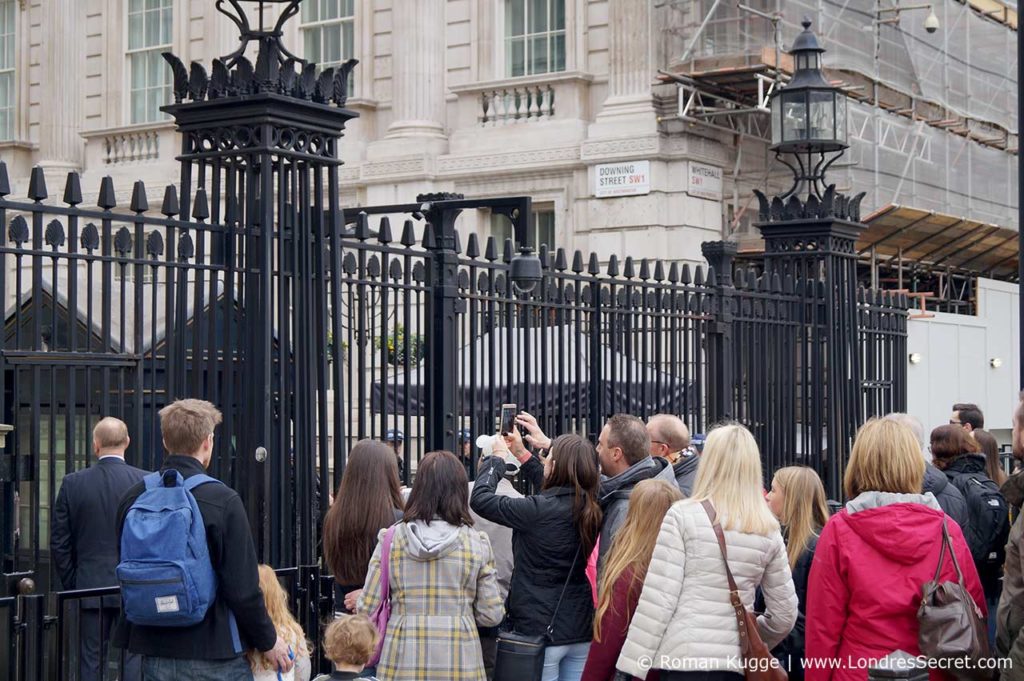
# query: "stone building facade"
481 97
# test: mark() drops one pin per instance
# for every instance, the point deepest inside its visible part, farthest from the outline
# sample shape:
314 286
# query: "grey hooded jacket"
615 496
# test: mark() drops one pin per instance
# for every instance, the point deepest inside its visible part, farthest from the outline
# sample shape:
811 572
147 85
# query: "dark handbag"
950 625
520 657
758 662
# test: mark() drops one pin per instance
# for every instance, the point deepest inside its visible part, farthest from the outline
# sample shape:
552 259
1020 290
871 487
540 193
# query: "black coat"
83 535
545 544
948 496
791 649
233 556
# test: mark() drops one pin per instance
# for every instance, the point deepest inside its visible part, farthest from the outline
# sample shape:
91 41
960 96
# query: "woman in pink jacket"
873 557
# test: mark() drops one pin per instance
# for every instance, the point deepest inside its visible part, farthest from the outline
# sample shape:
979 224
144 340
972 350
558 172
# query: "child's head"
350 640
287 628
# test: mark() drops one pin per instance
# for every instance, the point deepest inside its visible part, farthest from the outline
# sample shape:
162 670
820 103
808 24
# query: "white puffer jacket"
684 621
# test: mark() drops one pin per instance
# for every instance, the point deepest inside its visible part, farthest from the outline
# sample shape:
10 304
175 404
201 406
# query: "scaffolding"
932 116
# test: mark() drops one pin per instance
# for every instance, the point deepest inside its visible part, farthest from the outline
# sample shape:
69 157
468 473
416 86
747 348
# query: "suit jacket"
83 536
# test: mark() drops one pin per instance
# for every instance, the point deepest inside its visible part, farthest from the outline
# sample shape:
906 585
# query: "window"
534 37
149 77
8 15
328 29
542 229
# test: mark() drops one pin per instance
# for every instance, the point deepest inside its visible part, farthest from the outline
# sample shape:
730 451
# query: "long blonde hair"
804 509
730 477
284 622
634 542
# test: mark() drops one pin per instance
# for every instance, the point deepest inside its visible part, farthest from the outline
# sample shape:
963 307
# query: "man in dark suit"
83 541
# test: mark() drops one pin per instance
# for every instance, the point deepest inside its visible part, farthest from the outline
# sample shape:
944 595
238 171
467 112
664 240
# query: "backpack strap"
191 483
155 480
194 481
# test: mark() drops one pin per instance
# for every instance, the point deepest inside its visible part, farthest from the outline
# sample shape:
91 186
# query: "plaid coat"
437 601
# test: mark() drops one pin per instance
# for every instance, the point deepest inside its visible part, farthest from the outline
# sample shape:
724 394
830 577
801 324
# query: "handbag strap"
947 541
385 563
565 586
734 594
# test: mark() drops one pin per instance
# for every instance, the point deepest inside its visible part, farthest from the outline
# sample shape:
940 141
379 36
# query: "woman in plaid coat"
442 579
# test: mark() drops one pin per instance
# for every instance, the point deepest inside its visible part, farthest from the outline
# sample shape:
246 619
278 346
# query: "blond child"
287 628
349 642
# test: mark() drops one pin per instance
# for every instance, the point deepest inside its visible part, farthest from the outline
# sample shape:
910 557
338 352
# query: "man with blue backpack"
188 570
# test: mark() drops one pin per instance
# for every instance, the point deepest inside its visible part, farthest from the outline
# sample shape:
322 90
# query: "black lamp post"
808 118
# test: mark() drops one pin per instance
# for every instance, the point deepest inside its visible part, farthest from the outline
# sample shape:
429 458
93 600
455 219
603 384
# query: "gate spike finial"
473 247
362 229
577 262
458 243
560 261
674 274
139 202
37 185
594 266
170 206
200 206
384 231
645 270
5 182
491 250
73 189
698 276
686 277
613 266
107 198
408 234
659 271
429 242
506 254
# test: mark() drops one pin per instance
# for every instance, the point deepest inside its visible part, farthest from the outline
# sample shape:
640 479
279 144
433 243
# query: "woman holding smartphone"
553 533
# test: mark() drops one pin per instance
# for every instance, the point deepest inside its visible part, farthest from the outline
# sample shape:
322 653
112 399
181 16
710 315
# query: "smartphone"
508 418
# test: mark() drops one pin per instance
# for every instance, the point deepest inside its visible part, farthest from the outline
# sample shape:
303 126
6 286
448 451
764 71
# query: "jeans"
169 669
701 676
95 653
565 663
992 604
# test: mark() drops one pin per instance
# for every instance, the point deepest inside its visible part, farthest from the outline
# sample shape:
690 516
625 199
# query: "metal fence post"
33 618
722 379
443 307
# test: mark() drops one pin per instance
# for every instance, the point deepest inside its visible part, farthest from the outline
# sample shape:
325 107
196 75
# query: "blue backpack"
166 577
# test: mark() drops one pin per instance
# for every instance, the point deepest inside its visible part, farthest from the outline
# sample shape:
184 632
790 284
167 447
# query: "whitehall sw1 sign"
631 178
704 181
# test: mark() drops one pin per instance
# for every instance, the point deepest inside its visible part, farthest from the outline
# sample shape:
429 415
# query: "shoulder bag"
758 662
382 613
950 625
520 657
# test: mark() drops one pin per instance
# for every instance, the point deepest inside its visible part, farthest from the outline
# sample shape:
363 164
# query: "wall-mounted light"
996 362
915 358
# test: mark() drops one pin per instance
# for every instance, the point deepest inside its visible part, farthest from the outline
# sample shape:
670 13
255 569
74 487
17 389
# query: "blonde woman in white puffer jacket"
684 623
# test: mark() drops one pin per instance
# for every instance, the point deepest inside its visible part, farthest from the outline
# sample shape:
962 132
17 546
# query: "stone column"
418 77
60 144
629 107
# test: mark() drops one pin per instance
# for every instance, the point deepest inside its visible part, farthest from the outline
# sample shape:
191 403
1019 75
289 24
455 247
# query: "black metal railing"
120 312
41 636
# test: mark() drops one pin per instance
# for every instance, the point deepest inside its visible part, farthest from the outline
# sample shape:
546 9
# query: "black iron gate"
312 327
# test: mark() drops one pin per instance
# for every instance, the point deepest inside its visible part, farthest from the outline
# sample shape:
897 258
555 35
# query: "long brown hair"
993 465
804 509
441 491
574 464
634 543
951 442
284 622
365 503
